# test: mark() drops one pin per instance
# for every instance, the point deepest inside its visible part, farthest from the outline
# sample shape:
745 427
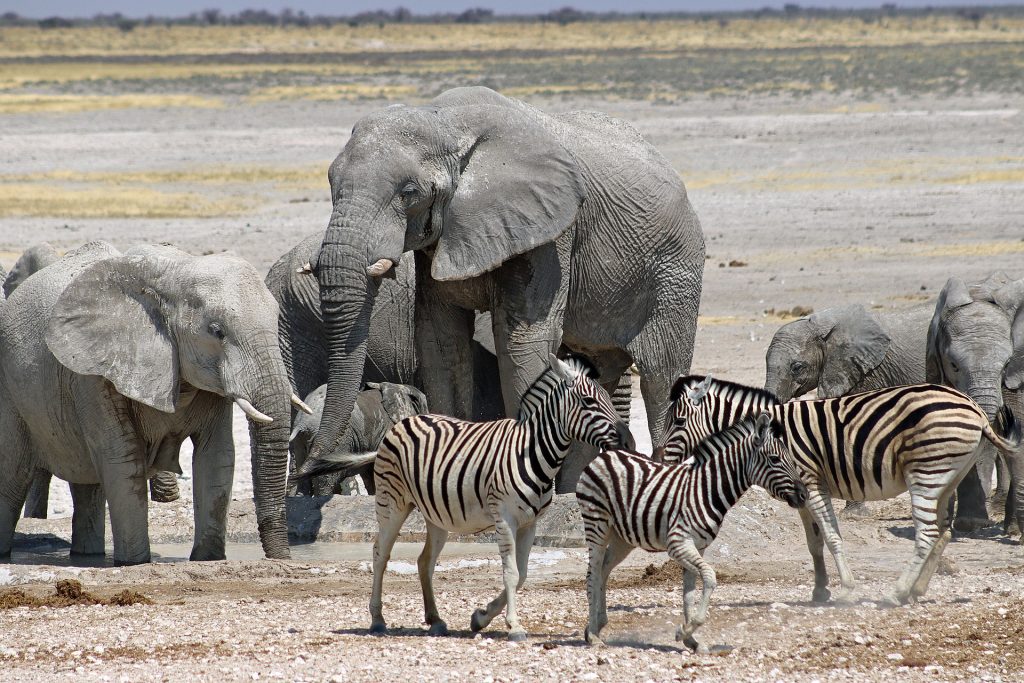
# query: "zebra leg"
595 591
819 503
685 552
436 538
929 516
510 576
816 545
389 522
689 607
618 550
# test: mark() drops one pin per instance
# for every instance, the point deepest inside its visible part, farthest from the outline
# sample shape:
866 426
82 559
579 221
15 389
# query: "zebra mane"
542 387
721 442
719 384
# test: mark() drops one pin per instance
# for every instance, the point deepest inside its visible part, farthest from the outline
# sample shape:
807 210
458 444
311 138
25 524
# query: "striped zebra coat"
466 477
628 501
873 445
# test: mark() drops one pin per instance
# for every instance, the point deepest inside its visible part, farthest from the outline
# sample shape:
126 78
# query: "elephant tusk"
380 267
306 269
298 403
252 413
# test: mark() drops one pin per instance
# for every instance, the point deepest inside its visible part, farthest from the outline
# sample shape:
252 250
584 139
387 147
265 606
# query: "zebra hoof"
592 639
821 595
516 636
378 628
438 628
479 620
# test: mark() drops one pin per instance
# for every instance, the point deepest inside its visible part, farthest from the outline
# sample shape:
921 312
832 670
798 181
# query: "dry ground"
875 191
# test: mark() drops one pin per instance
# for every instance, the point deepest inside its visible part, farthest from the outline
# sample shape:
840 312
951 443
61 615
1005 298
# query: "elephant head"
831 350
472 180
33 259
1013 371
156 320
400 400
969 341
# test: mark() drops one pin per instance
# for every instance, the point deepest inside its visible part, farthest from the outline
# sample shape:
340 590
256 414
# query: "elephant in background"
570 229
378 408
970 348
33 259
109 361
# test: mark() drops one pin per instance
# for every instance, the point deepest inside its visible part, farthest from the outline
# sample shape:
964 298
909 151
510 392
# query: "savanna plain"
831 161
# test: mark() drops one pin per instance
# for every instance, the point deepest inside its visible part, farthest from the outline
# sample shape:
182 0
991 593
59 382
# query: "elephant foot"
592 638
821 595
969 525
378 628
479 620
855 510
438 628
199 555
517 636
1011 528
88 552
129 563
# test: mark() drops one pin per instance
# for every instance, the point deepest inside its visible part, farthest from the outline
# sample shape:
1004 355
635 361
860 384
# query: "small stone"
601 661
894 657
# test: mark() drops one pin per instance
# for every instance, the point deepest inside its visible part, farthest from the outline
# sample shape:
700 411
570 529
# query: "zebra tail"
1005 434
349 464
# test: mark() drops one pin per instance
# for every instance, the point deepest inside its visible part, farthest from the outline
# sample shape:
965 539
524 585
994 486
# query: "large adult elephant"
570 229
109 361
970 346
33 259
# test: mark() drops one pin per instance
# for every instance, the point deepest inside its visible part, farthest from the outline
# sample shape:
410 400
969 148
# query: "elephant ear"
853 344
519 188
109 322
1013 373
955 294
401 401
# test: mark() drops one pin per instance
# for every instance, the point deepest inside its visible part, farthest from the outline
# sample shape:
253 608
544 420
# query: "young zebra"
868 446
467 477
630 502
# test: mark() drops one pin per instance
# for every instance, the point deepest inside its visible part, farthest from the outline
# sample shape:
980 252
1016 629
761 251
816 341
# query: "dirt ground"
813 202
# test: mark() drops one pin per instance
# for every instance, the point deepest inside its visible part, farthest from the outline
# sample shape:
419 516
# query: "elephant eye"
410 193
798 366
954 367
217 331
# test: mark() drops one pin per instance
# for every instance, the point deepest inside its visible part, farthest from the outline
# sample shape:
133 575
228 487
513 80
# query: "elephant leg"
163 487
971 511
88 519
213 469
14 483
580 454
38 500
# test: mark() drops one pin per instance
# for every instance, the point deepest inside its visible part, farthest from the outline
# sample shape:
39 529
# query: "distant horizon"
84 9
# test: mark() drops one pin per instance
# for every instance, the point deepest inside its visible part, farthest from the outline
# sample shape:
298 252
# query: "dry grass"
345 91
112 202
11 103
659 35
307 176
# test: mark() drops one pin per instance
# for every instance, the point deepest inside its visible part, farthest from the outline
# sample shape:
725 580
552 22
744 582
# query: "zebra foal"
467 477
874 445
628 501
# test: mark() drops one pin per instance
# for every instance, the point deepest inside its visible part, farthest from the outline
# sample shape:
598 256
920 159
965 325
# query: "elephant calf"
378 407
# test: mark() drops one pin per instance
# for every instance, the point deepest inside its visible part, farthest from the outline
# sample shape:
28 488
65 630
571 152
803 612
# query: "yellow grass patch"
1001 175
718 320
110 202
343 91
33 104
314 175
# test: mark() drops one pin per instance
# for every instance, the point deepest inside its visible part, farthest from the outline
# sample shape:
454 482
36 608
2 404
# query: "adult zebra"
467 477
874 445
629 501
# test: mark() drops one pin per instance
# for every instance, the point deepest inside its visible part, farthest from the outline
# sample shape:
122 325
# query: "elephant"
379 407
969 347
848 349
570 229
109 361
33 259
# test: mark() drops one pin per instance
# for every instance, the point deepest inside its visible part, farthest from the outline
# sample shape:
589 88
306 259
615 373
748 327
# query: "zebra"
874 445
628 501
468 477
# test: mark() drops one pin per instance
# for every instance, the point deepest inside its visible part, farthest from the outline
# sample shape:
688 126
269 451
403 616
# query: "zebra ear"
762 429
561 369
697 393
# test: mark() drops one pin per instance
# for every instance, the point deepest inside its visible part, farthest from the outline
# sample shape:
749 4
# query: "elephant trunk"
987 393
270 395
775 385
347 294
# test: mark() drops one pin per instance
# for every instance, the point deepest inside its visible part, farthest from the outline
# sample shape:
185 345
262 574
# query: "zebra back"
702 406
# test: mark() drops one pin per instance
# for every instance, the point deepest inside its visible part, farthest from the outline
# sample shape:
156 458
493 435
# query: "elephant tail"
1005 433
349 464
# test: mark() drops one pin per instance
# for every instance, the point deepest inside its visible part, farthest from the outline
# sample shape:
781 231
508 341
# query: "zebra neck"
547 441
721 480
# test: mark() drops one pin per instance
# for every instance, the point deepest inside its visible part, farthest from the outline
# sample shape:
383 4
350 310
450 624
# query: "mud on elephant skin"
971 348
379 406
140 351
570 229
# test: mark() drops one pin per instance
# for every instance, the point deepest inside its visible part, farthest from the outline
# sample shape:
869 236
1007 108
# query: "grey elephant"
570 229
379 407
33 259
109 361
390 352
969 348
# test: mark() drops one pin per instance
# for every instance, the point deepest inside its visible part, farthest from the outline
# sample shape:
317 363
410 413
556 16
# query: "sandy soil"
813 202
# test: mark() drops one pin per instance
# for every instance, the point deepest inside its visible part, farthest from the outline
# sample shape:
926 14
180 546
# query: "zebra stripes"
467 477
868 446
628 501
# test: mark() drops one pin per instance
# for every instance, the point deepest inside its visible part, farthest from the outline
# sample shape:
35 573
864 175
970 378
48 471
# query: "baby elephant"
378 407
